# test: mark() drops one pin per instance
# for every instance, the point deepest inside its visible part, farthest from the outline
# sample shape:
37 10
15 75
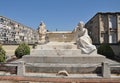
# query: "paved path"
17 79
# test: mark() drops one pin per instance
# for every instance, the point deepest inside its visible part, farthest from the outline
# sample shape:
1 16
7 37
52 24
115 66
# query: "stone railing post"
21 68
106 73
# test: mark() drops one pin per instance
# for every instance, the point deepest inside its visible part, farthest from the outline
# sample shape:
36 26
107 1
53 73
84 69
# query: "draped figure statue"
42 33
83 40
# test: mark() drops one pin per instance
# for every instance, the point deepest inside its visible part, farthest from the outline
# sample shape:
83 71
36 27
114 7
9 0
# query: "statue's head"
81 25
42 28
42 23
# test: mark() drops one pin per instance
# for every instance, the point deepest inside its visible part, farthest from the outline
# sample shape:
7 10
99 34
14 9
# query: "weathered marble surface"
83 40
42 33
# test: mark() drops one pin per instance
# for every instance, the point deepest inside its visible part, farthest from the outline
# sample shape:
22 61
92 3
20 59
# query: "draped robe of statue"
83 40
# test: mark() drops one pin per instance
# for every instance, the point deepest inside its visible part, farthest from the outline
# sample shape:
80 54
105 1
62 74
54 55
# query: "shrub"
23 49
106 50
2 54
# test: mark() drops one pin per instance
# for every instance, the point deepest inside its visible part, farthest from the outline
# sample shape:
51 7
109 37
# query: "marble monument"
42 31
83 40
66 52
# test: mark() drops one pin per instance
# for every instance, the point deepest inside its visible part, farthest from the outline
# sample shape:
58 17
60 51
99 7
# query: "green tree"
2 54
23 49
106 50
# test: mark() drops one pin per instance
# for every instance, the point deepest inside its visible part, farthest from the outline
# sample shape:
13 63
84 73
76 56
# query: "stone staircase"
53 57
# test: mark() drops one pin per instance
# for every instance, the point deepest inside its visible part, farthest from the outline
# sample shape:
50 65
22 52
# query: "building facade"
12 32
104 27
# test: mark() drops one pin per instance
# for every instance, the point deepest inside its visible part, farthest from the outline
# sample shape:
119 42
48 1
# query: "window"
112 21
112 37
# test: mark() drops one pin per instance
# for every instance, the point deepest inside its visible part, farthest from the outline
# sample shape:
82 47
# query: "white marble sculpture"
83 40
42 32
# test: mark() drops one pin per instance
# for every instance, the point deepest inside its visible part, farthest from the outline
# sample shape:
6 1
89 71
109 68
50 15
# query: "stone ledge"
64 59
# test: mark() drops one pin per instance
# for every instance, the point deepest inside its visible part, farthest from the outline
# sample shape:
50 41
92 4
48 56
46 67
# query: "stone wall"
118 25
72 70
60 36
93 29
100 29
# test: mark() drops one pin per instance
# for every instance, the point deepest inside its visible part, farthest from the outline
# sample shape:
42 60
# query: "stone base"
54 57
84 59
70 68
54 64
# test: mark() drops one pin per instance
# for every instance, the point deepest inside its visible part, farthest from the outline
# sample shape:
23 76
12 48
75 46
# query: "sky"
63 15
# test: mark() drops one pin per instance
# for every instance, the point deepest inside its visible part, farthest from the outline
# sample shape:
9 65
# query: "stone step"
64 59
57 46
55 68
56 52
60 52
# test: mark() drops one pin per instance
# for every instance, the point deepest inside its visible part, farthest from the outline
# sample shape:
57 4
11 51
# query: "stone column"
106 70
21 68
